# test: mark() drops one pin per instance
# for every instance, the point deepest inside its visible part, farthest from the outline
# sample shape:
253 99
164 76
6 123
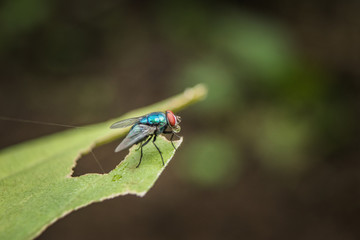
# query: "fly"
148 127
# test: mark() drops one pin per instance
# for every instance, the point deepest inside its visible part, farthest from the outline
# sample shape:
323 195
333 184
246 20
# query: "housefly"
148 127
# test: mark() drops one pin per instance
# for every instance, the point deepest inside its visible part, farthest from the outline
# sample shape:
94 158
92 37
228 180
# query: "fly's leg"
171 138
141 154
168 132
141 147
154 139
147 141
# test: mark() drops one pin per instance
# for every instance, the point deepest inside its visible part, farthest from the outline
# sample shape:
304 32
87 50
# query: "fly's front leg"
168 132
171 138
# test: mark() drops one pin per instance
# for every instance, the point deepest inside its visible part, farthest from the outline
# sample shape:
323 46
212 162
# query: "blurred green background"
272 153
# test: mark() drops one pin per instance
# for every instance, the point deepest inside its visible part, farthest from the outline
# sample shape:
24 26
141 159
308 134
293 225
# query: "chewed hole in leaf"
103 156
103 159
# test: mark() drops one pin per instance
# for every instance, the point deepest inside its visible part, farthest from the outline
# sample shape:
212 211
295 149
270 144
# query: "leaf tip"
197 92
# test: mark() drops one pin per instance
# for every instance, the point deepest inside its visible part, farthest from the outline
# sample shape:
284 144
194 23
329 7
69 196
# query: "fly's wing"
136 134
126 122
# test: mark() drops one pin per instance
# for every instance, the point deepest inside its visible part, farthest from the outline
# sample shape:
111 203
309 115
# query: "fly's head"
173 121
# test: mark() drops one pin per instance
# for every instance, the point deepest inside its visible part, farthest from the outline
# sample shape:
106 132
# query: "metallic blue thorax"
154 119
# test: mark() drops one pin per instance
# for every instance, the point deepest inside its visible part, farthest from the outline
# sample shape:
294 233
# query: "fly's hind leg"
142 145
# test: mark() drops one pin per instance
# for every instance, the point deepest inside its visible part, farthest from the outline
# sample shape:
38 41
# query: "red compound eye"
171 118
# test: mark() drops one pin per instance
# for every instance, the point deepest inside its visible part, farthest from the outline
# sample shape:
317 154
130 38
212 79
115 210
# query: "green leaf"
36 187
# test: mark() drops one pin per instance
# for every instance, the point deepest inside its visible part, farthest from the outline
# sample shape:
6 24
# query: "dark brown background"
273 153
